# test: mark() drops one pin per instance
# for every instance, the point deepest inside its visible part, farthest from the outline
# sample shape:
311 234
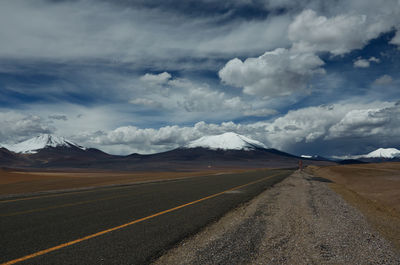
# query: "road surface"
120 225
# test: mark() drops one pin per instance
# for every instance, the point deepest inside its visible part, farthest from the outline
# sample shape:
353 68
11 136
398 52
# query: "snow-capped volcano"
31 146
226 141
383 153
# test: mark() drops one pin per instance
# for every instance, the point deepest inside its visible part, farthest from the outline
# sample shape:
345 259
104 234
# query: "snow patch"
32 146
226 141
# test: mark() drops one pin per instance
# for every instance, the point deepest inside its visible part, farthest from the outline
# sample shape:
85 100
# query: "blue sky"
306 77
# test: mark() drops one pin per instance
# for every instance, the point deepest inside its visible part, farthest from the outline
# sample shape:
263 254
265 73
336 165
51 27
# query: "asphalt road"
120 225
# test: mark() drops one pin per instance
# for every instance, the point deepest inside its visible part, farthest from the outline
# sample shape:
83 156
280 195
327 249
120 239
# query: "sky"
145 76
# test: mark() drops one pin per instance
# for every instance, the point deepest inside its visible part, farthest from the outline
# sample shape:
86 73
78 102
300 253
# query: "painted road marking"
97 188
45 251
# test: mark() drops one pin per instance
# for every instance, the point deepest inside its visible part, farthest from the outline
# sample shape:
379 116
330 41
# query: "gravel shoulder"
298 221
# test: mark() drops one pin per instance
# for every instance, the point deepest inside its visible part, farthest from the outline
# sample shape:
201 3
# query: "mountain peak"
31 146
226 141
384 153
388 153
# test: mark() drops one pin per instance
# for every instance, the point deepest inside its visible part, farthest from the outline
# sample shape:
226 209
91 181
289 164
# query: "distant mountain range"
228 150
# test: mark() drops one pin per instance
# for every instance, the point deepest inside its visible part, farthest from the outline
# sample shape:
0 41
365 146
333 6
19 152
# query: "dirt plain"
374 189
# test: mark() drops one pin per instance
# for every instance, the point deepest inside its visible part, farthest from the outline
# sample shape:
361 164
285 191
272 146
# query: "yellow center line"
96 188
45 251
63 205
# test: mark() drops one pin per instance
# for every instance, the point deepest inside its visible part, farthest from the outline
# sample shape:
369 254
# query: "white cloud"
383 80
361 63
345 126
374 59
365 63
339 34
274 73
156 79
202 99
396 39
333 129
282 71
342 128
364 123
15 126
162 139
187 99
90 30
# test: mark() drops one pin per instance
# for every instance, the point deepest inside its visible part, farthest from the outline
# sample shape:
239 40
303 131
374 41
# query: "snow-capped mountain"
226 141
383 153
33 145
380 153
228 150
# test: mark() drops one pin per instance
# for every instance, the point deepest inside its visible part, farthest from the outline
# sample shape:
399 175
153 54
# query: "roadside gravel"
299 221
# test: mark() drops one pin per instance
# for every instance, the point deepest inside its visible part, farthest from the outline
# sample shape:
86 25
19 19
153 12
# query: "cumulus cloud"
361 123
361 63
337 35
16 127
383 80
202 99
342 128
339 127
274 73
282 71
374 59
365 63
340 34
157 79
155 140
195 99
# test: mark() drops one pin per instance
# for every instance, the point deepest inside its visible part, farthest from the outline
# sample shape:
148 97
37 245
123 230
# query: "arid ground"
374 189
